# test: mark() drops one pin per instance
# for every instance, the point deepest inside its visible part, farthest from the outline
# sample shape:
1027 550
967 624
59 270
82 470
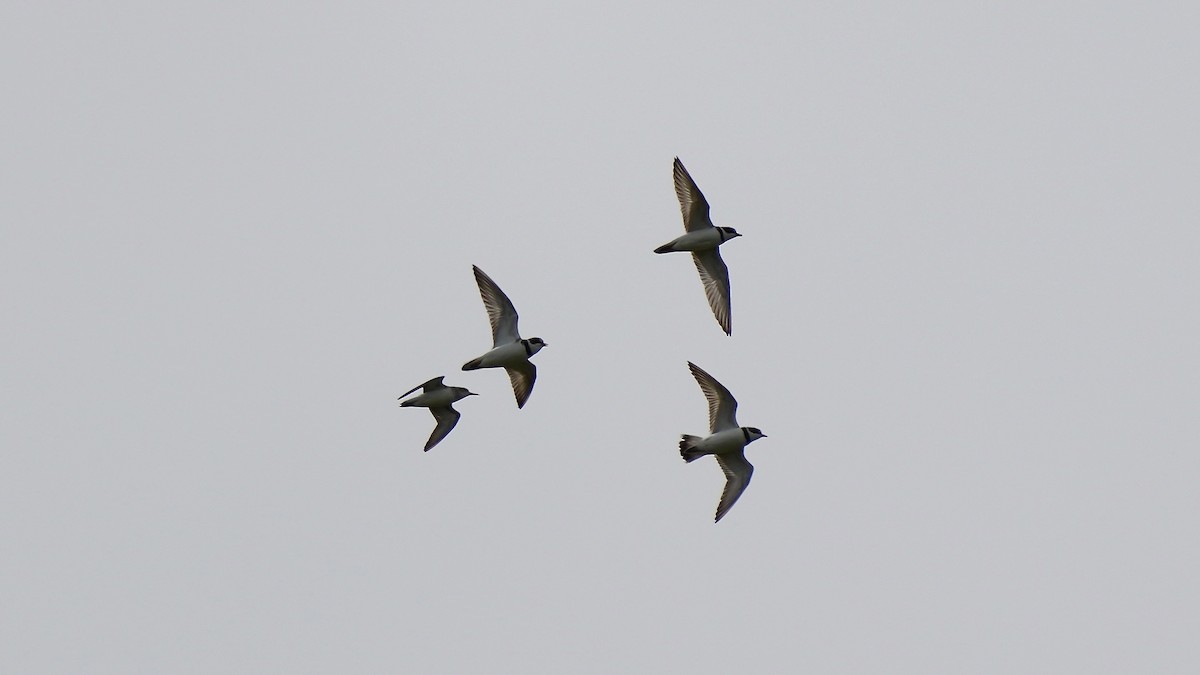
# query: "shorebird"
509 351
727 441
439 399
702 239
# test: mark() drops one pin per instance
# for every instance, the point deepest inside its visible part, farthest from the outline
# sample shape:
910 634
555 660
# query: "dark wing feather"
715 277
691 201
737 477
427 386
722 406
501 313
446 419
522 377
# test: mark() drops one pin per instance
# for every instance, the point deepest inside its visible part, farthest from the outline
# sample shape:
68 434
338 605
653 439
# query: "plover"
439 399
509 351
702 239
727 441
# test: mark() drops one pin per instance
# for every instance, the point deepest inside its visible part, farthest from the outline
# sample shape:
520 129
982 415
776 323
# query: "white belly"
439 398
700 240
504 355
730 440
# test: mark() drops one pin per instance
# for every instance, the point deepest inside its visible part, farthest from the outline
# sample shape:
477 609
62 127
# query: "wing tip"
480 275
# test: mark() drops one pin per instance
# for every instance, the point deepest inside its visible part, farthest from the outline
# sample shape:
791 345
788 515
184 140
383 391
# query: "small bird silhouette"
727 441
508 351
702 239
438 398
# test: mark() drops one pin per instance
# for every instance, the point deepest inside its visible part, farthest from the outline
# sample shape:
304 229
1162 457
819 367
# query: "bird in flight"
509 351
702 239
439 399
726 441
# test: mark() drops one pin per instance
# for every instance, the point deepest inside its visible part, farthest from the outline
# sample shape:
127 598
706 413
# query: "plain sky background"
964 310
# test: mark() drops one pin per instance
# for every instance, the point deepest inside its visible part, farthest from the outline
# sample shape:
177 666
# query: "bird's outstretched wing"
691 201
522 377
722 406
446 418
501 313
715 277
737 477
435 383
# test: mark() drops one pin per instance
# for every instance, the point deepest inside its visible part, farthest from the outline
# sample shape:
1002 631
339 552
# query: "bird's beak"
471 393
737 234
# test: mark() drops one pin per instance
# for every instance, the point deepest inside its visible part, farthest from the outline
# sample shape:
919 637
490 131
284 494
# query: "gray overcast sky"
964 310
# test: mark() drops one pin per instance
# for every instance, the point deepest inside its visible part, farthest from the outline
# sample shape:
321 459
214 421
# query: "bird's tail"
406 404
665 248
687 448
473 364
